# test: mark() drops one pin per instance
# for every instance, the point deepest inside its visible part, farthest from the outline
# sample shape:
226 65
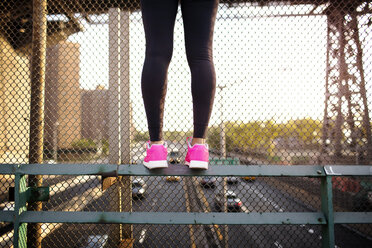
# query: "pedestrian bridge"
293 78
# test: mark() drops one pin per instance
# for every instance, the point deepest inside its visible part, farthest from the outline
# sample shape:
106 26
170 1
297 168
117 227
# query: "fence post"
114 120
328 235
126 123
20 229
114 86
222 124
39 35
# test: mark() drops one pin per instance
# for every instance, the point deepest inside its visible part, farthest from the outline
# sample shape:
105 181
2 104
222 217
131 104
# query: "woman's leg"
158 19
199 17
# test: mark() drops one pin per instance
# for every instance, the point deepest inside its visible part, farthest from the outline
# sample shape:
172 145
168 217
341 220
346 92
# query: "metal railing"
327 218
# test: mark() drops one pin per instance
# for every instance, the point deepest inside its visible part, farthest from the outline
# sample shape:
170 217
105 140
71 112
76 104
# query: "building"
95 113
62 96
14 102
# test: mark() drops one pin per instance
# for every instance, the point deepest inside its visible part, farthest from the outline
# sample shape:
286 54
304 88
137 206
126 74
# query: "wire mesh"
293 88
6 229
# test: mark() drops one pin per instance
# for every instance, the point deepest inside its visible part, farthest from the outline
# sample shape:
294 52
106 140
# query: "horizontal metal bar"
352 217
173 218
7 169
188 218
172 170
183 170
354 170
6 216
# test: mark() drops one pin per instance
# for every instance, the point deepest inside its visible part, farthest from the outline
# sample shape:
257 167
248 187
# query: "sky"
271 67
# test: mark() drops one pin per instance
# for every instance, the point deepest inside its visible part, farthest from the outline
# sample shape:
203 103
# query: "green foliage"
105 145
258 137
254 137
141 136
308 130
300 160
214 140
90 145
176 136
274 159
84 144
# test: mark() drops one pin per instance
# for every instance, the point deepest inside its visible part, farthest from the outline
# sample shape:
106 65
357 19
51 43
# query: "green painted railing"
326 218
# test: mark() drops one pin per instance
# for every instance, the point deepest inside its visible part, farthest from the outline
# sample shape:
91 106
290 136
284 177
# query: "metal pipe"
326 124
126 131
328 230
222 125
55 141
39 35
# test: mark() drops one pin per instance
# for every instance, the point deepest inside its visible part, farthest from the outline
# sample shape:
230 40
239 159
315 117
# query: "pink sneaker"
156 156
197 156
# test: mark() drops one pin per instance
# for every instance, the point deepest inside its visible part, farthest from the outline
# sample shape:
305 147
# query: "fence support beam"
328 230
114 119
120 118
114 92
125 124
20 229
39 36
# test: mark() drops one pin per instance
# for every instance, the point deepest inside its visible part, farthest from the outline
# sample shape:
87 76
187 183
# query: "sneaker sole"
195 164
156 164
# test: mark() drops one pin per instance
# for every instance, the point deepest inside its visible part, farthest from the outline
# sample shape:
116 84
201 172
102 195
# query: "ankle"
158 142
197 141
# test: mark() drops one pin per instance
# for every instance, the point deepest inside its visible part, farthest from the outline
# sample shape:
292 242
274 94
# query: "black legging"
198 20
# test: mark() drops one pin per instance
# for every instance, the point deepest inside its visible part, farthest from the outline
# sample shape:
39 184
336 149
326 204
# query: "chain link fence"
293 88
